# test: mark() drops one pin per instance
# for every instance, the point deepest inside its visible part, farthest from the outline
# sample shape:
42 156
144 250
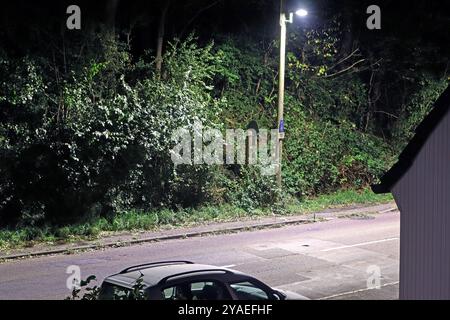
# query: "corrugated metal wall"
423 197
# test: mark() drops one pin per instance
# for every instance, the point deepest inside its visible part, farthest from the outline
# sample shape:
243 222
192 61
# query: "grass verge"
146 221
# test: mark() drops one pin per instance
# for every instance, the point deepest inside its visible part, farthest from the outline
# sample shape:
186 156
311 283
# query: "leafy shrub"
324 156
416 108
95 143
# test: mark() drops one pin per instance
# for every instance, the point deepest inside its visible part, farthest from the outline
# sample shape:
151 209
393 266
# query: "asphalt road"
326 260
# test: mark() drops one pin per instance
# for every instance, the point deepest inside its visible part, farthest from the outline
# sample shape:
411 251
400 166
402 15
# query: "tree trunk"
111 12
160 39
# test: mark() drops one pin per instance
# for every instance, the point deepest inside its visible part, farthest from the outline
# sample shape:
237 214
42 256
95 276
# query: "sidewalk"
130 238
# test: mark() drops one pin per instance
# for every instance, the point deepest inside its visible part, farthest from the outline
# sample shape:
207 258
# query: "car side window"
249 291
199 290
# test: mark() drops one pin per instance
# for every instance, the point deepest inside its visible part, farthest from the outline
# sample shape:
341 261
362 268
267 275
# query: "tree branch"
183 32
345 70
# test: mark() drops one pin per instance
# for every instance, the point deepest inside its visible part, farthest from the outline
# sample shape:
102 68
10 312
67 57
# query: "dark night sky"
423 22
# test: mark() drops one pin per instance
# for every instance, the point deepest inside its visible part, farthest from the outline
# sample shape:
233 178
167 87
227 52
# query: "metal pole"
281 92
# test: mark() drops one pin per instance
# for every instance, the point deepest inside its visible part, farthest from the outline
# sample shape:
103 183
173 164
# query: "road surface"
327 260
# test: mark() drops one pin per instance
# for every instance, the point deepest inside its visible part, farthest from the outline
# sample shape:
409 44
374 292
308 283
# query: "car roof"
161 272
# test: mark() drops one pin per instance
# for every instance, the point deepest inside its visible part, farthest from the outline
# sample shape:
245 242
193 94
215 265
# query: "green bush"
417 107
96 143
323 156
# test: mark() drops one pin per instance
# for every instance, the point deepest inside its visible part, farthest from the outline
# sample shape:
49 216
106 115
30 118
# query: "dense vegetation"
85 126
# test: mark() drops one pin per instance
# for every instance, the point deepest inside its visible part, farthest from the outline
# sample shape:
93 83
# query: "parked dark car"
185 280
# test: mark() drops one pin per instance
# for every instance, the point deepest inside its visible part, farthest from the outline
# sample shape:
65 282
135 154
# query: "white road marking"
359 244
357 291
229 266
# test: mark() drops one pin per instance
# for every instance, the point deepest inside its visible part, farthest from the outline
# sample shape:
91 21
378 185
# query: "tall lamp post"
283 22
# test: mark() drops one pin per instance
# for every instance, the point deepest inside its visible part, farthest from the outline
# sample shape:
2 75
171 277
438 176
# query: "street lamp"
283 22
301 12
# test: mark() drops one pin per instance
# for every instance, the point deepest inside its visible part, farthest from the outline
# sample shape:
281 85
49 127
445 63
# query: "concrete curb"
214 230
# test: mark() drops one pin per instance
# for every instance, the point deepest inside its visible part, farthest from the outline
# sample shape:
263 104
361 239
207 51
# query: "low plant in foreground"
86 292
